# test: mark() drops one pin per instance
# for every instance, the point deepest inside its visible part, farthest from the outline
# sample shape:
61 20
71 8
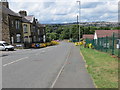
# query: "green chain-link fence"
109 44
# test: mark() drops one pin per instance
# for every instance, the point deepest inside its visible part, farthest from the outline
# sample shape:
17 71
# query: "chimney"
5 3
36 20
23 13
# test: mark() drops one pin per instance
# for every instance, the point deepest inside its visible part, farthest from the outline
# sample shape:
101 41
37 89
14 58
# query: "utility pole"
79 19
70 31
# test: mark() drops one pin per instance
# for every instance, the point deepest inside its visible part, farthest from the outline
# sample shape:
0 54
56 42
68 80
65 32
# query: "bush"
54 42
48 44
78 43
33 45
41 45
89 45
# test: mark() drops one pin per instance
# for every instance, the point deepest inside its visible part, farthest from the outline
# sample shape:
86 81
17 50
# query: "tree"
51 36
55 32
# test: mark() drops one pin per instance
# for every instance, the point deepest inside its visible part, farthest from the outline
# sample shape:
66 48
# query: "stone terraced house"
19 28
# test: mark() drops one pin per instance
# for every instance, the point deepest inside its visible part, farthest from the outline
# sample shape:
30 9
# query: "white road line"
53 84
14 61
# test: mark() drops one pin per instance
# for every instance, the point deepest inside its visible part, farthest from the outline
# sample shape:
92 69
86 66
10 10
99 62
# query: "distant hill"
98 24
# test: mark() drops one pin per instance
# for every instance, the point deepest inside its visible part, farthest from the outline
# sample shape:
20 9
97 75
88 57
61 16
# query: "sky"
66 11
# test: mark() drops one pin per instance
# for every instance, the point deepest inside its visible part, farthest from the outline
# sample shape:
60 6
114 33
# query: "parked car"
6 46
2 47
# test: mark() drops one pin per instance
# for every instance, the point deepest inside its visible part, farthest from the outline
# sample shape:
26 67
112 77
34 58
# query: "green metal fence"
109 44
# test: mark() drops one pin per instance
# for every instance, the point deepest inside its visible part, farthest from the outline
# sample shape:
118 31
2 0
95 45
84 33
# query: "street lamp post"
79 19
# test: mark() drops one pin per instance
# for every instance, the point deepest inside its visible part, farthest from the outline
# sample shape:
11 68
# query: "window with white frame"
17 24
38 31
18 37
25 28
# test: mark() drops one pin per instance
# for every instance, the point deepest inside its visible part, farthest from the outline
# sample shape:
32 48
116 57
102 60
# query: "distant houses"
20 28
100 34
104 33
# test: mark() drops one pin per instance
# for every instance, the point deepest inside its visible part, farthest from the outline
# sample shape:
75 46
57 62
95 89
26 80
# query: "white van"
6 46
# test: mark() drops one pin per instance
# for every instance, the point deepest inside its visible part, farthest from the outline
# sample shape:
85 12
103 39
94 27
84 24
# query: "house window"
44 38
34 38
39 39
38 32
12 40
26 38
33 28
18 37
12 22
25 28
17 24
43 31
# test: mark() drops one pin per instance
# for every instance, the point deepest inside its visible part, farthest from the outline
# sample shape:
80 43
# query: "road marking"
14 61
53 84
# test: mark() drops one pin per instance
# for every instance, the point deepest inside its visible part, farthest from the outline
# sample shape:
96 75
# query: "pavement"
74 74
59 66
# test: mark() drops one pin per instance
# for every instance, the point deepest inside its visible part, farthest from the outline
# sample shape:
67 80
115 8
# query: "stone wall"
5 28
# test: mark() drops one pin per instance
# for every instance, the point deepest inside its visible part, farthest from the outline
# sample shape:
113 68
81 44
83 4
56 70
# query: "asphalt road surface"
59 66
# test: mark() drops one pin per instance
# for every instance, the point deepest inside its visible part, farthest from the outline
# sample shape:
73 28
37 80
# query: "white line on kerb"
53 84
14 61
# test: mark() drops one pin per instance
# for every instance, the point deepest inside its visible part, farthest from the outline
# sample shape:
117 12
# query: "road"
59 66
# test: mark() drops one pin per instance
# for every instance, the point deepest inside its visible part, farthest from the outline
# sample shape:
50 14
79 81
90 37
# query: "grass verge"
102 67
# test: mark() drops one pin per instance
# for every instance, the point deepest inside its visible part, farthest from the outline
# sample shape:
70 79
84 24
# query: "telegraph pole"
79 19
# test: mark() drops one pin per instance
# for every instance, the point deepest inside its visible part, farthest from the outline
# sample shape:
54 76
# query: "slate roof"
29 18
40 25
9 11
25 20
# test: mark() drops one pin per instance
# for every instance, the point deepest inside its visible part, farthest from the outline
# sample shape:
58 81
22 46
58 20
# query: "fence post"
102 44
113 43
106 43
93 43
98 44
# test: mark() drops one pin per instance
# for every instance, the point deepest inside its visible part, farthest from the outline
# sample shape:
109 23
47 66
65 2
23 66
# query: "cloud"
91 4
59 11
